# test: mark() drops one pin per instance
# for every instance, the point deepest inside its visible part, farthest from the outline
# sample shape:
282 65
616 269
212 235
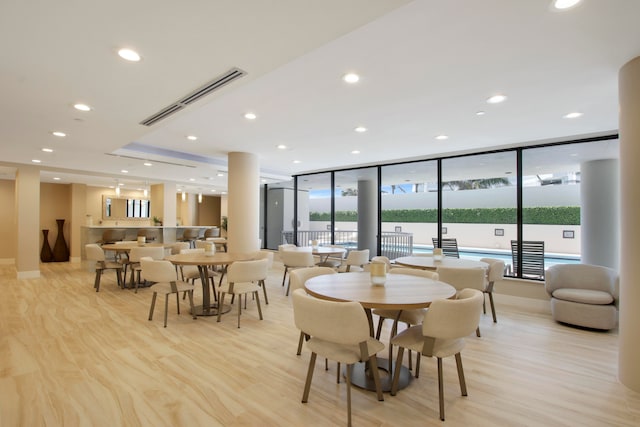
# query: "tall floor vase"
46 255
60 249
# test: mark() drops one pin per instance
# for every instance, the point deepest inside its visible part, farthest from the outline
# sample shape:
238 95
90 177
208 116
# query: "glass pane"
479 201
552 199
409 208
280 209
314 209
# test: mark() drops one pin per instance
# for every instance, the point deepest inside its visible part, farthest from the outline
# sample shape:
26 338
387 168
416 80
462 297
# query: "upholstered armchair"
583 295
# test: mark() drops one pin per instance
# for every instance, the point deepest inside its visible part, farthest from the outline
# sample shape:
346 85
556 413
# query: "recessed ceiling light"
120 184
480 113
192 137
124 171
220 174
360 129
192 179
129 55
297 161
263 180
250 116
59 134
355 152
565 4
213 190
224 192
47 150
351 78
56 178
442 137
148 164
36 161
282 147
573 115
82 107
496 99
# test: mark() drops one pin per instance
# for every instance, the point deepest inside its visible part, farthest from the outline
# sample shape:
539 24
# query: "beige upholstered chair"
382 259
408 317
268 255
295 259
339 331
177 247
355 261
297 279
242 279
150 234
95 253
135 255
211 232
166 282
494 274
444 326
462 278
190 235
583 295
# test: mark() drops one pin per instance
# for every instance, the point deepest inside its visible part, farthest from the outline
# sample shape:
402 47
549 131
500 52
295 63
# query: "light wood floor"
72 357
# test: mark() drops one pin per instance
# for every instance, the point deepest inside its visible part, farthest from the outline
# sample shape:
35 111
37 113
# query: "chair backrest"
158 270
358 258
453 318
415 272
496 269
300 276
202 244
449 246
138 252
212 232
268 255
582 276
297 258
148 233
113 235
177 247
532 258
247 271
192 251
337 322
286 246
191 233
94 252
461 278
342 255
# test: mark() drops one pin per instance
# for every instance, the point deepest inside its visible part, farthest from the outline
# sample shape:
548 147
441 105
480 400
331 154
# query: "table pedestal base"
212 310
361 377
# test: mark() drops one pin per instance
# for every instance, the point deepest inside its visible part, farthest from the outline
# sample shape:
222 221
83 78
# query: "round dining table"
400 292
430 263
203 261
323 252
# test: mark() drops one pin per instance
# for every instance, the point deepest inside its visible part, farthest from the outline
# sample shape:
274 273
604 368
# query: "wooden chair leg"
193 308
166 309
441 389
463 384
307 384
153 305
373 366
258 304
239 308
96 283
493 308
284 276
478 332
264 290
220 304
178 301
349 368
396 372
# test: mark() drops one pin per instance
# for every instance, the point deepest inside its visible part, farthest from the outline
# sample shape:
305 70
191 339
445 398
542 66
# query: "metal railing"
394 244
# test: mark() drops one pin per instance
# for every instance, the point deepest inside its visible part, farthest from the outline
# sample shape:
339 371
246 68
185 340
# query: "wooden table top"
127 246
320 250
429 263
400 292
218 258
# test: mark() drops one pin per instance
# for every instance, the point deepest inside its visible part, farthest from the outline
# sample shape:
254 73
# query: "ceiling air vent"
207 88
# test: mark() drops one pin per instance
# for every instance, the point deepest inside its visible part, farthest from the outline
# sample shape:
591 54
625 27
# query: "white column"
28 222
599 213
629 333
367 216
243 202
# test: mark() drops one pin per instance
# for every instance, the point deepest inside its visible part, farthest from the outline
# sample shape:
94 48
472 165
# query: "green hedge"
561 215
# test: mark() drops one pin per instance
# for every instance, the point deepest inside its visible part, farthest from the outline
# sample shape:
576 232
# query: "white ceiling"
426 68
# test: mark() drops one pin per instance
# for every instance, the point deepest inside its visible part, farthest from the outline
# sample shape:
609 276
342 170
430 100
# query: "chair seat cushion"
584 296
413 339
340 352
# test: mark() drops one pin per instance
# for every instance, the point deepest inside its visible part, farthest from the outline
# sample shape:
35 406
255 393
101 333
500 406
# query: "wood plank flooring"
72 357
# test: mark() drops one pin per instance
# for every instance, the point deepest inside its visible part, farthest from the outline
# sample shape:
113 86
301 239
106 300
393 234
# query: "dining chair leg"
463 384
96 283
166 309
258 304
379 329
153 305
239 308
178 301
349 366
478 332
284 276
264 290
418 364
396 372
307 384
493 308
300 340
373 366
337 367
193 308
441 389
220 304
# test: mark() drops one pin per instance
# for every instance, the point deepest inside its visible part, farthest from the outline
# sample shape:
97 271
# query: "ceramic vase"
60 248
46 255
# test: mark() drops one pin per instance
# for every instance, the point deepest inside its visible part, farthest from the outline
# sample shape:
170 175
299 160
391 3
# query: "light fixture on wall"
117 188
184 196
199 197
146 189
